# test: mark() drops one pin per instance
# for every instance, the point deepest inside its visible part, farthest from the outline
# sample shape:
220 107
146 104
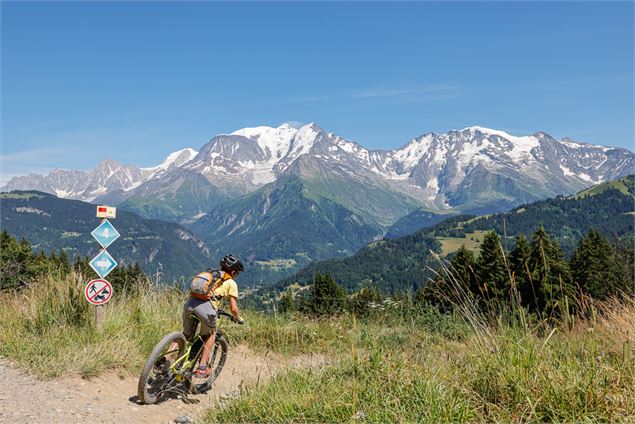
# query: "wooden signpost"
99 291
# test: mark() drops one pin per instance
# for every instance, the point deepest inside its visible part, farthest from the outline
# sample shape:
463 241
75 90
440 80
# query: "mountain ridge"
473 169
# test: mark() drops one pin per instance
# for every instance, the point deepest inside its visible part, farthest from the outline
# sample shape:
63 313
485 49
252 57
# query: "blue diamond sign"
105 234
103 263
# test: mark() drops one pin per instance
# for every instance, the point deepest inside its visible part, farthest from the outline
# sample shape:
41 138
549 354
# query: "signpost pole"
99 309
100 291
99 317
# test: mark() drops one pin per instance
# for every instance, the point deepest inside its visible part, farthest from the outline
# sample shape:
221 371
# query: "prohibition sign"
98 291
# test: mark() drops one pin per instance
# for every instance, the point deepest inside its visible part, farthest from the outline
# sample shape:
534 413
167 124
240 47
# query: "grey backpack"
203 284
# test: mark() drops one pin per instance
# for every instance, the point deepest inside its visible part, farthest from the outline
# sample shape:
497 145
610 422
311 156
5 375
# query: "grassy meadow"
472 241
397 364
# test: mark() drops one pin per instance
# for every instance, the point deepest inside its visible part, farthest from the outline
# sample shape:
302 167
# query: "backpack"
203 284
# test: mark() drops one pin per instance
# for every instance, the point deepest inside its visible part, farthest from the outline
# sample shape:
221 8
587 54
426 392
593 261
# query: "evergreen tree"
327 297
491 271
16 262
595 269
519 264
437 292
64 263
550 275
361 302
286 302
462 267
625 256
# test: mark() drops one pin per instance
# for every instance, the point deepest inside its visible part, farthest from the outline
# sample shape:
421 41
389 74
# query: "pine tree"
361 302
437 293
17 265
286 302
519 264
327 297
462 267
549 275
594 267
491 271
64 263
625 257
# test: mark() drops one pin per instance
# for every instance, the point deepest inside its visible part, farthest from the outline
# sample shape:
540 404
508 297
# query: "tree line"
21 267
535 274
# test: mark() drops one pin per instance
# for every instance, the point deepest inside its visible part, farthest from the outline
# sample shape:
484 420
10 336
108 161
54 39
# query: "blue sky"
136 81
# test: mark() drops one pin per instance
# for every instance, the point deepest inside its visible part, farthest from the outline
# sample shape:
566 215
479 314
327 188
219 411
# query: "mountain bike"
170 371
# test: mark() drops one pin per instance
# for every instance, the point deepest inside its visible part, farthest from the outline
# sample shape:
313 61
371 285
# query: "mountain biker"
205 310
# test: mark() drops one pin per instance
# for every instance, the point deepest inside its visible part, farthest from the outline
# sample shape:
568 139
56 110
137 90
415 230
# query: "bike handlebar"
230 316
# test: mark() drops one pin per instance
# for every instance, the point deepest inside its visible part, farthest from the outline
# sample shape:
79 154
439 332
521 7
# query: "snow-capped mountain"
475 167
108 176
472 169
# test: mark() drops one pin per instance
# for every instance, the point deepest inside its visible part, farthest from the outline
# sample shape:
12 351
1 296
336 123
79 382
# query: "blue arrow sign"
103 263
105 234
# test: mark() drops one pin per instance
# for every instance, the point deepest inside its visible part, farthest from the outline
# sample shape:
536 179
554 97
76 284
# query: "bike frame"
182 364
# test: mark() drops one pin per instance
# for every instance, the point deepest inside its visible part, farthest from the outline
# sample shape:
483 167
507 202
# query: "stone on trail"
183 419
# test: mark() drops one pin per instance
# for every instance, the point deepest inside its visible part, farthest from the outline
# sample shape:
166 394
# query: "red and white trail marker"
106 212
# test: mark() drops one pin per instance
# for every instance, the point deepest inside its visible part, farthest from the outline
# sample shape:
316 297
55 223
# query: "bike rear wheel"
156 378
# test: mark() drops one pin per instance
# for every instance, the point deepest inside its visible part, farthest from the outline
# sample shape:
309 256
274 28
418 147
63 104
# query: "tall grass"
395 365
509 367
405 374
49 328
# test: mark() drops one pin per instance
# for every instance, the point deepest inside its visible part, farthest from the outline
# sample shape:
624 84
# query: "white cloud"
408 94
398 92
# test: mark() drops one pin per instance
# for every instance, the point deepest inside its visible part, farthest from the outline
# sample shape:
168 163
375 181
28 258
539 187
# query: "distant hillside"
403 263
607 207
626 185
414 221
52 224
282 227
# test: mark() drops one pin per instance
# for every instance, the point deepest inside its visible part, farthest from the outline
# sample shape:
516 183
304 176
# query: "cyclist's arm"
233 307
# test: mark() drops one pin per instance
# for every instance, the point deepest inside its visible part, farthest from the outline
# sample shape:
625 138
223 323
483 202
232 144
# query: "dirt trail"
111 399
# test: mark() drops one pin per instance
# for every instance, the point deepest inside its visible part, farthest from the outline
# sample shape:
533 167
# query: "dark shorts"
204 311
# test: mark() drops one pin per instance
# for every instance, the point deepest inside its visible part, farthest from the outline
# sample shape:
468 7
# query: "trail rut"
112 399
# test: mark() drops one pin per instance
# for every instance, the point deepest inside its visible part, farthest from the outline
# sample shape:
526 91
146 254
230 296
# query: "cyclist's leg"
209 319
189 325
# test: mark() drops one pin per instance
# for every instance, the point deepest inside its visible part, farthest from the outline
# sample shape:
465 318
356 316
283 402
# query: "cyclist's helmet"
231 263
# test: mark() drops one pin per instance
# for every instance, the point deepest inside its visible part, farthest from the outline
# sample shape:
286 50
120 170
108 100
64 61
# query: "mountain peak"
177 158
488 131
108 165
108 162
313 126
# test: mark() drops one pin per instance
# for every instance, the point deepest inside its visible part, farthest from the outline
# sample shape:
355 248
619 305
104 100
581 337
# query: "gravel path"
113 399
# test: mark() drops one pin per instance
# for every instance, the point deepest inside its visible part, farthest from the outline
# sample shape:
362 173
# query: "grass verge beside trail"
49 329
504 375
414 366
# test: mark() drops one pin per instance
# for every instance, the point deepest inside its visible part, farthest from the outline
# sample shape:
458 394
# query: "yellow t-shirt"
227 288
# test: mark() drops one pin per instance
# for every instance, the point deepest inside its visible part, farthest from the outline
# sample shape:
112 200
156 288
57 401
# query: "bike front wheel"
156 378
216 362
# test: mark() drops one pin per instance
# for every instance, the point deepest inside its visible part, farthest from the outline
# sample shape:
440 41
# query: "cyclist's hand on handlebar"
239 321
